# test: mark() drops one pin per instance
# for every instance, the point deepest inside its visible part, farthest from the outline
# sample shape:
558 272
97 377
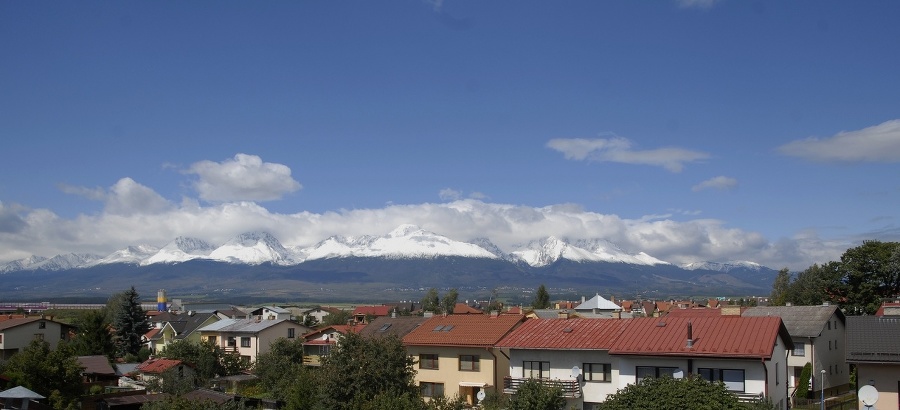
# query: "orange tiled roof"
564 334
724 336
372 310
156 366
694 312
464 309
463 330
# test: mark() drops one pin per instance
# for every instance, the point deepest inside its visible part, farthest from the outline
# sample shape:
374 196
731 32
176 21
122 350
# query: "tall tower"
161 300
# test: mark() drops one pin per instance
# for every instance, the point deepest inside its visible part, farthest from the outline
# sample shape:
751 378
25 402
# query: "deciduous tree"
93 335
448 302
533 395
51 373
431 302
667 393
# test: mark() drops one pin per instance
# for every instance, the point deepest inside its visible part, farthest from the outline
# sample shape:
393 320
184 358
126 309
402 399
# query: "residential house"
572 354
598 307
318 343
363 314
462 308
818 334
457 354
154 368
250 337
271 313
17 333
96 371
748 354
317 314
171 326
873 348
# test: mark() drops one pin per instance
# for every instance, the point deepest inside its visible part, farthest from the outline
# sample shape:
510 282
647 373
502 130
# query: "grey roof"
598 302
391 326
275 309
800 321
19 392
243 325
873 339
96 365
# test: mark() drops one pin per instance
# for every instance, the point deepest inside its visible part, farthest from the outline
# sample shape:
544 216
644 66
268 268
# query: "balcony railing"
570 388
312 360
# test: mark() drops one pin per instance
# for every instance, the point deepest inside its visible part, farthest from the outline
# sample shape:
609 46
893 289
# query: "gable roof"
574 334
372 310
873 339
464 309
598 302
245 325
15 322
724 336
462 330
392 326
800 321
155 366
96 365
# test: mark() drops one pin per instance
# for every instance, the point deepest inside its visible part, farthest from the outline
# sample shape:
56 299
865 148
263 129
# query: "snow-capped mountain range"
404 242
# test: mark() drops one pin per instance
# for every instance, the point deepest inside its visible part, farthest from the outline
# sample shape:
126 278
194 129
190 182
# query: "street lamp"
822 386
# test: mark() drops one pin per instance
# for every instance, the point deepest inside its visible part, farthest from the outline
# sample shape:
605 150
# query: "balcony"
571 389
312 360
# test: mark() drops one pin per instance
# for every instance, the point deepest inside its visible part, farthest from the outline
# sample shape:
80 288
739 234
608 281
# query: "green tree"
358 369
780 288
130 324
172 381
93 335
180 403
869 272
541 298
448 302
207 359
431 302
667 393
533 395
54 374
283 376
336 318
803 385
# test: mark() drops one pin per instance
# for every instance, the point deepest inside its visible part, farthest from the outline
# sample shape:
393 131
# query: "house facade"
249 338
818 334
17 333
456 355
872 346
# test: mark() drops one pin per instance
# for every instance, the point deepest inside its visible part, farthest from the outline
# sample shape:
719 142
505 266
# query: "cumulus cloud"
10 222
878 143
242 178
719 182
125 197
448 194
619 150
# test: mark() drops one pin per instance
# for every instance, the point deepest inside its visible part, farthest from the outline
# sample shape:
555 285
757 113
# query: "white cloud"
879 143
619 150
243 178
697 4
126 197
719 182
448 194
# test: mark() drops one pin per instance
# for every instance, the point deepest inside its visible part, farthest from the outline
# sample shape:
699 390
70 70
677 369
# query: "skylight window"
438 328
447 328
385 327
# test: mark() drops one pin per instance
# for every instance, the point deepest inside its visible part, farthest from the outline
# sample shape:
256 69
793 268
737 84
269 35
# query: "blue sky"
690 130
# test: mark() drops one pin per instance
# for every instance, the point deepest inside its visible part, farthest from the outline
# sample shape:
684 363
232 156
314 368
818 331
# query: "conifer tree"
130 324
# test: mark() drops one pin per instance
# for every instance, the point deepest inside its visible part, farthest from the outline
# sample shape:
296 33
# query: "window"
42 325
829 345
597 372
650 371
799 349
1 338
245 342
432 389
733 378
291 333
211 339
469 363
428 361
536 370
232 342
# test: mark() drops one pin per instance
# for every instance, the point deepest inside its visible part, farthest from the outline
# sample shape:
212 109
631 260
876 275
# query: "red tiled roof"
694 312
157 365
626 305
725 336
372 310
149 335
463 309
573 334
880 311
463 330
342 329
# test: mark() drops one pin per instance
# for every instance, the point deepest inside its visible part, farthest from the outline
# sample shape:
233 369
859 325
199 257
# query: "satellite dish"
678 374
576 372
480 395
868 395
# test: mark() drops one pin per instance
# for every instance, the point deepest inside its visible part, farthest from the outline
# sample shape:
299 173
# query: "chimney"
690 338
562 314
788 303
582 299
394 313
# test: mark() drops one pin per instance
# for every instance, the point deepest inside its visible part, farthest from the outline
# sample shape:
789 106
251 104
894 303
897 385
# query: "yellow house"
456 354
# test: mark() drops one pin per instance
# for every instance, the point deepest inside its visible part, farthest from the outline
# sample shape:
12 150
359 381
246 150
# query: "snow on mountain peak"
548 250
722 266
181 249
406 241
131 255
252 248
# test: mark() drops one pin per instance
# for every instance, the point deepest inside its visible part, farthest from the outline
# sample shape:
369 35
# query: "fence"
847 401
